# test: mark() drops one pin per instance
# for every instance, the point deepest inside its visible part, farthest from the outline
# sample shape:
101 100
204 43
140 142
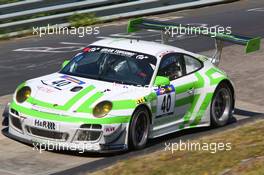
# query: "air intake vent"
16 122
13 111
84 135
91 126
47 134
76 89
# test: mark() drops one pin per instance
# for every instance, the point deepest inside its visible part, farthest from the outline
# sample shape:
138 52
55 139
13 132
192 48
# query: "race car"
119 92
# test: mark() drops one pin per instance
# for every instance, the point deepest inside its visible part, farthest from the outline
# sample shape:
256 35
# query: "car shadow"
243 112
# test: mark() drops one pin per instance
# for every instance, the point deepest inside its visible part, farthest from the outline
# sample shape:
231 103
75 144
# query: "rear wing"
252 44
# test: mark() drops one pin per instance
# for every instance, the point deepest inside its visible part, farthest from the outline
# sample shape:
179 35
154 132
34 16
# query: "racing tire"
139 129
221 106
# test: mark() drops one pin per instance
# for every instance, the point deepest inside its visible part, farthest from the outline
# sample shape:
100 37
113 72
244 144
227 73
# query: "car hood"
59 90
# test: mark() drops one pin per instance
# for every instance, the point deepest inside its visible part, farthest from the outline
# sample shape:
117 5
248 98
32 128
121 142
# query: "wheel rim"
140 129
221 105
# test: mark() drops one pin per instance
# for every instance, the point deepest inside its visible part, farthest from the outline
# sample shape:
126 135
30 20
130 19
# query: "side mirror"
65 63
162 81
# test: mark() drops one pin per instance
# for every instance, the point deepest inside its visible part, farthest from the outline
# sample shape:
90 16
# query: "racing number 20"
166 103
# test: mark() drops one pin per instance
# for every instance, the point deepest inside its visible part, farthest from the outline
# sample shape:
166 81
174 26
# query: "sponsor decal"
165 90
86 49
126 53
141 57
118 52
94 49
45 89
109 129
140 100
74 80
45 124
166 101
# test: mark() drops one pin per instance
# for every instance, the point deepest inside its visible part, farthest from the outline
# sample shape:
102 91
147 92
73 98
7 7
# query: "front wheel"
221 106
139 129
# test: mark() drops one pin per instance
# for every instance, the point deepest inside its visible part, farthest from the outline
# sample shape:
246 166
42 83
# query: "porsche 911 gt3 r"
118 93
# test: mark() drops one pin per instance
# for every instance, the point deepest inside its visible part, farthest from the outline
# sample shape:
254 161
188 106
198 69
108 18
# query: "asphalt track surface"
17 65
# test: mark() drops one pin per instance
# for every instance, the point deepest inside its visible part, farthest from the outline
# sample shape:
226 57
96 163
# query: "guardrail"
63 17
32 4
105 12
15 4
56 8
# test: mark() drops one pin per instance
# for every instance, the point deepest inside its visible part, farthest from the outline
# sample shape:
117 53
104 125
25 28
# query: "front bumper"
63 136
5 115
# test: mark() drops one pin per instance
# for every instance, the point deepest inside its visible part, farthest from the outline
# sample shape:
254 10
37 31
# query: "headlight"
23 94
102 109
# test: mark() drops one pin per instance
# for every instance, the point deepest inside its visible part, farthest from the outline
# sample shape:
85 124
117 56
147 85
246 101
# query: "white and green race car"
118 93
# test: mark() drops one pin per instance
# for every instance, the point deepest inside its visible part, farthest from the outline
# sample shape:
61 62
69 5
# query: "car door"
174 101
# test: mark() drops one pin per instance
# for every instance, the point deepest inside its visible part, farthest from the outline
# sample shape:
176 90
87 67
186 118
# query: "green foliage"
84 19
8 1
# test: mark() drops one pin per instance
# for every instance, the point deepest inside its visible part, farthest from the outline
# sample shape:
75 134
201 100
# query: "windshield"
113 65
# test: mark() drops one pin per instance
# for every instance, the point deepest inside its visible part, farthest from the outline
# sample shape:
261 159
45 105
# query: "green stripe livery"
69 119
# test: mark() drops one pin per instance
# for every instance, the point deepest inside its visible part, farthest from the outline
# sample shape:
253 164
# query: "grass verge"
8 1
245 157
76 20
85 19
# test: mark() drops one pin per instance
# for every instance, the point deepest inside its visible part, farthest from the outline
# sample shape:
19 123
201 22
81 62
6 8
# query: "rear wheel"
139 129
221 106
